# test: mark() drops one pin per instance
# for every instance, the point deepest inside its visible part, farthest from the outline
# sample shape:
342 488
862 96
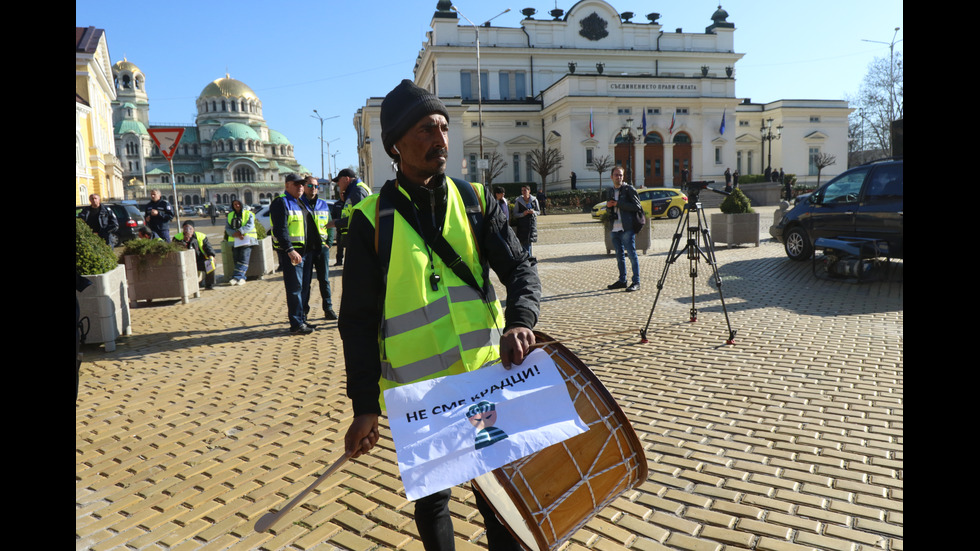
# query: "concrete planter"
106 305
153 277
763 193
643 238
735 229
263 260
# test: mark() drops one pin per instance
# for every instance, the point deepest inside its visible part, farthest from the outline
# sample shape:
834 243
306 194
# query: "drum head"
546 497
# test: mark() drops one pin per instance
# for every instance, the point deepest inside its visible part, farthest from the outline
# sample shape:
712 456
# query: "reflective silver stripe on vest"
415 319
440 362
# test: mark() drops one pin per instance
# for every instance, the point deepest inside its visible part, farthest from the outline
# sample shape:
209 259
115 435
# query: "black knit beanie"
402 108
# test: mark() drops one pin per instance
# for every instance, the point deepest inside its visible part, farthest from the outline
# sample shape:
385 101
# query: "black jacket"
627 204
364 288
165 213
102 220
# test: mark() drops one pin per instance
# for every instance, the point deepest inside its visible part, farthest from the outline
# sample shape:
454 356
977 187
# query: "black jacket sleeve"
277 217
360 316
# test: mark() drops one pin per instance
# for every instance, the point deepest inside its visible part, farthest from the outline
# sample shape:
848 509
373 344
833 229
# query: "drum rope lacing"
630 466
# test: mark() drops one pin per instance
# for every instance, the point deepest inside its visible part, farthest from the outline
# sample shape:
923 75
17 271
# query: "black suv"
863 202
130 220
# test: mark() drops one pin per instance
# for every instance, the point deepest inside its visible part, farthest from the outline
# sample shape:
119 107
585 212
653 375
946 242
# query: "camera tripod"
699 245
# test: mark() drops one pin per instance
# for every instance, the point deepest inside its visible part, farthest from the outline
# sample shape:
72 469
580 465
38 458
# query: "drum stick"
269 519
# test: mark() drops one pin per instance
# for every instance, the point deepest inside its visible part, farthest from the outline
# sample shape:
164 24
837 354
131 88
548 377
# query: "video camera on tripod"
693 190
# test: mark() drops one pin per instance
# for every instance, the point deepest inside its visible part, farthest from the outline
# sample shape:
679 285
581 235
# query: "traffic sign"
167 140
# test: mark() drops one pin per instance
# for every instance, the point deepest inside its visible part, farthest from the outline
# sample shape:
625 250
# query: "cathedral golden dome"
228 88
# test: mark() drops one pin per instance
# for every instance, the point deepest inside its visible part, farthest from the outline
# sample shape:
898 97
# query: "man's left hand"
515 345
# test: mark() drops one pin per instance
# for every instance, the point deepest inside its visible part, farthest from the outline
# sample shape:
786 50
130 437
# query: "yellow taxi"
658 202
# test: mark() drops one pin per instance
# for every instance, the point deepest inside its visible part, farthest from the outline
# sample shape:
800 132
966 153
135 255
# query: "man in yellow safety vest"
428 315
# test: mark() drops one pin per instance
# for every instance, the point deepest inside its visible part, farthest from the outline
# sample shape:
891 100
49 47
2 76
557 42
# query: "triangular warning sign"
167 140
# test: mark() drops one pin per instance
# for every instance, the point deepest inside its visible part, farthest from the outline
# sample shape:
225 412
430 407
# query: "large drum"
547 496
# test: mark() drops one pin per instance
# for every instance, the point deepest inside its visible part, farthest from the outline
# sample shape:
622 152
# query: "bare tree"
545 163
600 165
496 167
822 161
880 101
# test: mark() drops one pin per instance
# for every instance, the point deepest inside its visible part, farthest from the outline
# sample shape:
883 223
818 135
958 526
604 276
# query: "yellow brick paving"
211 415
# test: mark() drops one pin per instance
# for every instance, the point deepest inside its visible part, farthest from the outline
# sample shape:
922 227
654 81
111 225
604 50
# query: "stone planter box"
106 305
261 263
153 277
735 229
763 193
643 238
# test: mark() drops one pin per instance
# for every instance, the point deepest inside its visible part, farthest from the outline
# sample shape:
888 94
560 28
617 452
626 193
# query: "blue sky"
330 55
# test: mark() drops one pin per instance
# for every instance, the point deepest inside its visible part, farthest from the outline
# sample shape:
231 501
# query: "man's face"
309 188
617 177
95 201
295 188
499 196
484 420
342 183
424 148
155 195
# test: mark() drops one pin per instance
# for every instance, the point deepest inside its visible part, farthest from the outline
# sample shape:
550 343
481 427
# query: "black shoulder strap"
391 200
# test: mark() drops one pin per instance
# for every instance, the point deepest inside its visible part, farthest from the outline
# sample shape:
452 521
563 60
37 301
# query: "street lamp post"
482 163
317 116
329 170
627 133
768 136
891 72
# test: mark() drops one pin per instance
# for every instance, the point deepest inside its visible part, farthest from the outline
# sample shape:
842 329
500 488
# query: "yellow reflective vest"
246 215
427 333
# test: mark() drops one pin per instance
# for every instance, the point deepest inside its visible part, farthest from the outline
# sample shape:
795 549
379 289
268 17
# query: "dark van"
863 202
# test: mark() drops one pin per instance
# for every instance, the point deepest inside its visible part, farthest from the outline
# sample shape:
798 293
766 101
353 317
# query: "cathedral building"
593 83
229 153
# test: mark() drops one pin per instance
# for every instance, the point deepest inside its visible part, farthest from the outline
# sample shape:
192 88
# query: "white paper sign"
452 429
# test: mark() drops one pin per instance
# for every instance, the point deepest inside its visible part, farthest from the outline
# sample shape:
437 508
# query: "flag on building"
671 129
591 128
722 129
644 123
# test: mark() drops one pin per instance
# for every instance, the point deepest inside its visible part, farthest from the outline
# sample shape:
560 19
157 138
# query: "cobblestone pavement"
211 415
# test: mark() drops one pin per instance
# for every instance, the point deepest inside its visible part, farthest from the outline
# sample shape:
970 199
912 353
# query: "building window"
468 85
653 110
517 167
512 85
814 153
180 179
520 123
624 111
814 119
681 110
743 123
589 153
717 155
244 174
471 168
530 173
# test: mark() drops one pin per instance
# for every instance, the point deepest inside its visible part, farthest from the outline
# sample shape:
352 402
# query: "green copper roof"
126 127
235 131
277 138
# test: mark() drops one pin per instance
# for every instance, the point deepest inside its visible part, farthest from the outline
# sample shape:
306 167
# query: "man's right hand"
362 435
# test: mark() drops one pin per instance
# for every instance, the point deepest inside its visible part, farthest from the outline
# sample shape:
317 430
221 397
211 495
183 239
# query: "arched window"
243 106
224 105
127 82
214 105
244 174
241 145
653 137
139 83
682 138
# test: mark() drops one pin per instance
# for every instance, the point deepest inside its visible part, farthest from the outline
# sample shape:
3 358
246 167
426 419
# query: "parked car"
863 202
670 203
130 219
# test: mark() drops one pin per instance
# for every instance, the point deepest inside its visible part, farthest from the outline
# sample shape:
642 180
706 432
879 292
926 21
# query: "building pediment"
521 141
747 138
815 136
475 142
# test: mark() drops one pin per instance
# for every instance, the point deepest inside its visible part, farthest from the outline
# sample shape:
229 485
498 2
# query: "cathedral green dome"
236 131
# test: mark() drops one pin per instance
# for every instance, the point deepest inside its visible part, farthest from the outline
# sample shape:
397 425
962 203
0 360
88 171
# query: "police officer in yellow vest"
408 314
296 237
352 191
321 259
